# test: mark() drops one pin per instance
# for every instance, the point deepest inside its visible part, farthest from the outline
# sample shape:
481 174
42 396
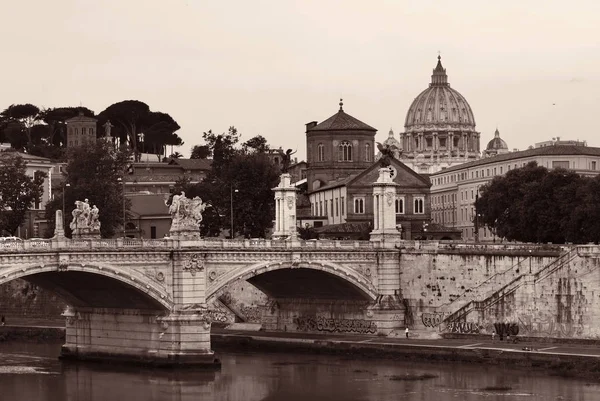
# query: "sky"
528 67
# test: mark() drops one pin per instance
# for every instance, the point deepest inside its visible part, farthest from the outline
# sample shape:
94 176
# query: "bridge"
148 300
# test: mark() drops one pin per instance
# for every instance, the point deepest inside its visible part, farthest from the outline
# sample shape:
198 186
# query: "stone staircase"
486 300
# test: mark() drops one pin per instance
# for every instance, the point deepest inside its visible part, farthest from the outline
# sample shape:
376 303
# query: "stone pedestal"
384 208
59 224
138 336
285 209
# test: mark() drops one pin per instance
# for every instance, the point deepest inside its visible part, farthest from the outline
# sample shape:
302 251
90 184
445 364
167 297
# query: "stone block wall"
21 299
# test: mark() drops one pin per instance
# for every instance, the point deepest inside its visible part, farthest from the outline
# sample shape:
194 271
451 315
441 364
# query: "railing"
169 243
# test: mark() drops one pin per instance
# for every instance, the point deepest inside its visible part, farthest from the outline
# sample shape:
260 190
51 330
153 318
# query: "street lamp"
64 194
120 180
231 191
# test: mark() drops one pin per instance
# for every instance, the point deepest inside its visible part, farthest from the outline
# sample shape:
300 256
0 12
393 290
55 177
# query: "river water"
33 372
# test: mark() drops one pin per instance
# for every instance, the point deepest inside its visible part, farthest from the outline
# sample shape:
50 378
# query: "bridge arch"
113 277
359 282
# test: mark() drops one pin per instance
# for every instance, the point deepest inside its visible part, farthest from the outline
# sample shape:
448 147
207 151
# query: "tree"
17 191
95 172
132 118
257 144
533 204
200 152
159 131
27 114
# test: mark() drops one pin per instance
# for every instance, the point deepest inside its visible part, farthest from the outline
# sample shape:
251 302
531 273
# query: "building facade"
337 148
455 189
81 130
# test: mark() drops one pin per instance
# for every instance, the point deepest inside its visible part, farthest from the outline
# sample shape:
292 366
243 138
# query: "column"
435 144
384 209
285 216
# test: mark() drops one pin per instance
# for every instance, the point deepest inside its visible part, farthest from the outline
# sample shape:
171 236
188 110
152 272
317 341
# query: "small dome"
497 143
391 140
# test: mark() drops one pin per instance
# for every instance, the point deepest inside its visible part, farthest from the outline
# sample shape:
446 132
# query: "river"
33 372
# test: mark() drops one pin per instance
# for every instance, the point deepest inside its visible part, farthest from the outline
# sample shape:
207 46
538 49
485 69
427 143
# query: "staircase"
489 299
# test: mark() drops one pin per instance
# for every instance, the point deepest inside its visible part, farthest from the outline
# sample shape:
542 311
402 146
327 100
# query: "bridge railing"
167 243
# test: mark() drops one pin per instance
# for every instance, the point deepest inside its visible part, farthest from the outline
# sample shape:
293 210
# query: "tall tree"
18 191
132 119
27 114
200 152
95 172
257 144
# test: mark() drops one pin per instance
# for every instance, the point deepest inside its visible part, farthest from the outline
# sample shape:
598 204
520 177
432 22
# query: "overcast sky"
530 67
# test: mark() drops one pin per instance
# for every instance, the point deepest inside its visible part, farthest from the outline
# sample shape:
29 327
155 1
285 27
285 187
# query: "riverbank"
565 360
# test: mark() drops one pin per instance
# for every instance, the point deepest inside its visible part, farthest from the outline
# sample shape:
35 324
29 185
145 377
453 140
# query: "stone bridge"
148 299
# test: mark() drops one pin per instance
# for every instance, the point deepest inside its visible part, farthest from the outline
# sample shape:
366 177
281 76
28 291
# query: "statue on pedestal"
85 223
186 215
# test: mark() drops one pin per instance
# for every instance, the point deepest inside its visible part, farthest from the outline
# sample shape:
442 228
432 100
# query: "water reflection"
32 372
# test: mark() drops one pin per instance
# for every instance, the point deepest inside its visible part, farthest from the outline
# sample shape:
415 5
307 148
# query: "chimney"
311 125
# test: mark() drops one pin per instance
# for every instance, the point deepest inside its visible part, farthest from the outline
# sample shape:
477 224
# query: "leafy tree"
242 178
27 114
95 172
131 118
17 190
159 130
256 144
200 152
533 204
176 155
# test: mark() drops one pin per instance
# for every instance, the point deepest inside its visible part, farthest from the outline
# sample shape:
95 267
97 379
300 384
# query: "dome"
497 143
391 141
439 105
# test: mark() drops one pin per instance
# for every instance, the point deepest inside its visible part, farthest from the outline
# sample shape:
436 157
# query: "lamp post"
231 191
64 194
122 182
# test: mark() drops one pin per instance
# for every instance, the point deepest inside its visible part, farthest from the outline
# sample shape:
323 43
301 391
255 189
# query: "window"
342 204
500 170
429 142
337 207
345 151
76 131
82 130
91 131
419 207
331 207
367 152
560 164
442 142
399 205
320 208
321 152
593 165
359 205
152 232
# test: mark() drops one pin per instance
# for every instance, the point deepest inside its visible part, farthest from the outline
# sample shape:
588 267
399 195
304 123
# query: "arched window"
359 205
399 205
345 151
368 153
321 152
419 206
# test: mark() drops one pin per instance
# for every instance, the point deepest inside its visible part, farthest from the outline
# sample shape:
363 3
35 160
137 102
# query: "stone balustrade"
168 243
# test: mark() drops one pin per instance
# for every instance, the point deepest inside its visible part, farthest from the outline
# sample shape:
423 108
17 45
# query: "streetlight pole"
120 180
231 191
64 195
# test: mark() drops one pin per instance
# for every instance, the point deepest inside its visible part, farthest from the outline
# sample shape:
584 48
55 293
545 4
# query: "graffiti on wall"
320 323
432 319
506 329
547 326
463 327
252 314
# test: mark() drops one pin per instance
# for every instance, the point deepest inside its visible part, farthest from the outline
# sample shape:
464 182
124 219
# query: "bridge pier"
138 336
